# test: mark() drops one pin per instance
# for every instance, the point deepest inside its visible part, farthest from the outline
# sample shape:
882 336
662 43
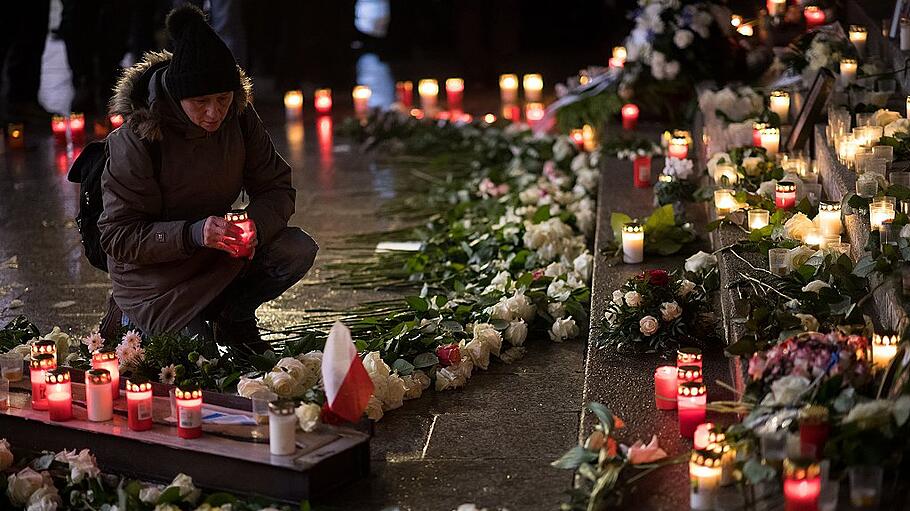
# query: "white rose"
448 378
293 367
683 38
374 409
556 309
750 165
529 195
584 266
6 455
685 287
81 465
21 485
798 226
395 393
374 364
489 336
787 391
308 416
884 117
150 494
617 297
563 148
670 311
559 290
61 339
501 281
555 270
501 311
281 383
898 126
810 324
815 286
633 299
797 257
701 261
521 306
563 329
246 387
767 189
188 491
517 332
312 361
648 325
716 158
46 498
479 353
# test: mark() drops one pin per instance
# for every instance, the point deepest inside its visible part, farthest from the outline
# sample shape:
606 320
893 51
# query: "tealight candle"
578 137
58 127
534 112
702 432
139 405
688 357
725 202
780 104
116 121
858 36
620 53
736 20
759 218
282 427
533 86
633 243
785 195
813 430
705 470
99 402
508 88
428 90
770 140
879 211
688 373
813 238
189 412
691 400
361 95
802 485
847 71
454 93
15 136
641 171
814 16
678 148
884 348
589 137
241 219
39 366
108 360
59 394
322 100
665 387
829 218
629 116
293 104
404 92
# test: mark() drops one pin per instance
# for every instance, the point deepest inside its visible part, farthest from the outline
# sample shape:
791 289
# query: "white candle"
633 243
429 93
847 71
99 402
361 95
813 238
759 218
780 104
282 427
829 218
533 86
770 140
858 36
705 470
508 88
880 211
884 348
724 202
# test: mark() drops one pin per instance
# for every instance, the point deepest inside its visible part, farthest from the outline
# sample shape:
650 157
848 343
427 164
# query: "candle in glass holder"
139 405
454 93
293 104
282 427
577 137
725 202
108 360
641 171
241 219
847 71
58 128
770 140
866 186
633 243
534 112
705 470
759 218
688 357
428 90
785 195
814 16
322 100
780 104
858 36
508 88
15 136
678 148
691 400
589 136
777 7
39 366
77 123
688 373
665 387
629 116
59 394
802 485
813 237
404 93
189 412
884 348
756 133
879 211
736 20
620 53
702 433
533 86
361 95
829 218
813 430
99 402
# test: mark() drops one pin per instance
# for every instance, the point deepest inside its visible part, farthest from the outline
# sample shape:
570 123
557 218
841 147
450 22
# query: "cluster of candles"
64 129
682 387
293 103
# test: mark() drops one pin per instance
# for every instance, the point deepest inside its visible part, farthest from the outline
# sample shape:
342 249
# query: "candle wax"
99 402
282 434
60 406
189 418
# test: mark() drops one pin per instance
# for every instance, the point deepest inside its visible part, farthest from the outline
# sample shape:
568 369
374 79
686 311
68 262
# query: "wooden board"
227 457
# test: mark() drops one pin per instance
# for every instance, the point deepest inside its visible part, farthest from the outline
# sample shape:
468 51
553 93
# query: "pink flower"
640 453
756 366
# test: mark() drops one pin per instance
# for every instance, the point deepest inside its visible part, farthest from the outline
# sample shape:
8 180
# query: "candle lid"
688 373
77 115
691 389
707 458
138 385
58 375
191 391
665 178
44 361
281 407
685 356
98 376
801 469
786 186
632 227
813 414
104 356
768 130
887 338
828 206
44 346
236 215
759 125
857 28
716 440
848 62
780 94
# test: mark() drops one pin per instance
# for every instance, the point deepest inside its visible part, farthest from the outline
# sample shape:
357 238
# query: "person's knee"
297 250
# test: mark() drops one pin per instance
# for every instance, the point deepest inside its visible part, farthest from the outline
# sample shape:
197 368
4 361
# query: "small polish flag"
348 386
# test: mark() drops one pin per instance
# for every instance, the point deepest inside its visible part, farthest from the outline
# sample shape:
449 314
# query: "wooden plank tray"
232 458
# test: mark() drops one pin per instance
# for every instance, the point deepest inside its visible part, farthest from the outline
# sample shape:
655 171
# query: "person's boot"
244 333
111 323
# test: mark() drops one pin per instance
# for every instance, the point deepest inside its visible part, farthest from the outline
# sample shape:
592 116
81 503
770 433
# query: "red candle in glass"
802 485
688 357
665 387
814 16
59 394
108 361
189 412
322 100
139 405
678 148
39 366
77 124
617 63
404 91
756 133
116 121
534 112
688 373
813 431
785 195
58 127
578 137
239 218
641 171
691 400
629 116
511 112
454 93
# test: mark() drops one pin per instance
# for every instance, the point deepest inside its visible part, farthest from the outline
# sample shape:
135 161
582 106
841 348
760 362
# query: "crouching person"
191 143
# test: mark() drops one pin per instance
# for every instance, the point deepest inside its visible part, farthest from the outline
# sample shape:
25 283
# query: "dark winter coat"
161 280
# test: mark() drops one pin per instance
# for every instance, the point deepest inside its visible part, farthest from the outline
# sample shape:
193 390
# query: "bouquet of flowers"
728 116
822 48
653 311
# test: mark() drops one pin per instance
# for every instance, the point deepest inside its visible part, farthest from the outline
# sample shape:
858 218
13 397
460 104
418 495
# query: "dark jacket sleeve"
130 230
266 178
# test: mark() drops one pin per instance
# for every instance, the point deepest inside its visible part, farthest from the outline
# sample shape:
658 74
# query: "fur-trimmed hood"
136 100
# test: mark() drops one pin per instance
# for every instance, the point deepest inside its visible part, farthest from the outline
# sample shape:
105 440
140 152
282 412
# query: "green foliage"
16 332
596 110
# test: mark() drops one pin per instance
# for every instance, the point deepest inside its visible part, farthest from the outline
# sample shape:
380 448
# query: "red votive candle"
239 218
58 127
404 91
692 398
15 136
785 195
688 357
678 148
59 394
534 112
813 431
139 405
77 126
108 361
454 93
629 116
756 133
39 367
814 16
322 100
189 412
641 171
665 387
616 63
577 136
802 485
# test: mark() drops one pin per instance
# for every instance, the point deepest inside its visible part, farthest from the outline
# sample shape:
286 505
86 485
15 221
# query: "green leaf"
220 499
662 218
864 266
417 303
169 496
425 360
575 457
604 415
403 367
617 220
757 472
541 215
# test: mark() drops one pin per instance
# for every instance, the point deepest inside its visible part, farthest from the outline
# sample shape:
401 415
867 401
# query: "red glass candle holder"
785 195
404 93
77 125
756 133
59 394
814 16
239 218
641 171
454 93
692 399
189 412
139 405
577 137
39 366
534 112
44 346
665 387
688 373
108 361
802 485
813 431
688 357
629 116
322 100
678 148
58 128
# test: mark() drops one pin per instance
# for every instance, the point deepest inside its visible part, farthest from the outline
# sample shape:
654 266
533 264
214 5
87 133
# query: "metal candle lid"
236 215
786 186
687 356
707 458
44 346
632 227
828 206
98 377
44 361
188 392
691 389
104 356
59 375
281 407
799 469
885 339
688 373
138 385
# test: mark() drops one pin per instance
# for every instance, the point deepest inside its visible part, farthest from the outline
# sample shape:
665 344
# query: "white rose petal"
648 325
815 286
633 299
702 261
670 311
563 329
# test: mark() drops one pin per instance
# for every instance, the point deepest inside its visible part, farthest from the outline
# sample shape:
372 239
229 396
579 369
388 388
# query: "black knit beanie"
202 64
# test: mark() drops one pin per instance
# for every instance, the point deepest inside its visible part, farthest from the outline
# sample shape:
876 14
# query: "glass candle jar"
404 93
59 394
705 470
691 401
99 400
240 218
633 243
725 202
44 346
780 104
802 485
293 104
533 86
879 211
759 218
777 261
282 427
189 412
139 405
688 373
322 101
829 217
884 348
39 367
665 387
813 430
785 195
108 361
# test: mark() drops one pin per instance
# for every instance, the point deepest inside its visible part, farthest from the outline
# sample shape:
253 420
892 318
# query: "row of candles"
72 126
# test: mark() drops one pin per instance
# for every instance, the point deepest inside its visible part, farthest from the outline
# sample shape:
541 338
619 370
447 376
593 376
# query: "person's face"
208 111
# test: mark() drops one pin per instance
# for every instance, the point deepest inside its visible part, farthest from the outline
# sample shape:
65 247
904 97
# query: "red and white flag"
348 386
